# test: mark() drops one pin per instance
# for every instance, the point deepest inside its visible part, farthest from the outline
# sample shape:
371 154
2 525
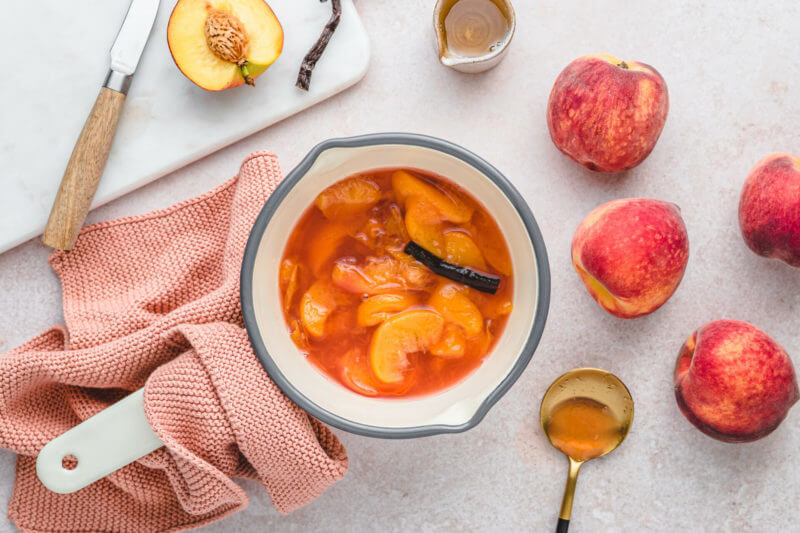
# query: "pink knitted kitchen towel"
153 301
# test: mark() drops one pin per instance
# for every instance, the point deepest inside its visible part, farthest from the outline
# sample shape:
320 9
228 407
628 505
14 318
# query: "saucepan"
455 409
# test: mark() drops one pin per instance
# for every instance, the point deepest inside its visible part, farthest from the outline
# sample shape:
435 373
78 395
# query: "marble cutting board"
167 121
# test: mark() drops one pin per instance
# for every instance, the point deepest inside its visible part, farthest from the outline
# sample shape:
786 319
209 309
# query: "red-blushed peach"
631 254
734 382
769 208
607 114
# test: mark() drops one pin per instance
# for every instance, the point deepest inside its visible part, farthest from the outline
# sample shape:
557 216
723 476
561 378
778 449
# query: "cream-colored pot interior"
452 407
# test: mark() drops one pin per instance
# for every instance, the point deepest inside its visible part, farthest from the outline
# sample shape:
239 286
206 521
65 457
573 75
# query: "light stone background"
734 80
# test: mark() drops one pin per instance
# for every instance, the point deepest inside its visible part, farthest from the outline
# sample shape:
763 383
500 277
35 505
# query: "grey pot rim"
413 139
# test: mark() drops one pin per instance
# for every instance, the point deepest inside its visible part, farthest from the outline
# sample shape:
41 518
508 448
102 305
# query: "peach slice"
461 250
480 345
323 246
378 308
489 239
298 335
381 275
316 305
394 223
402 334
348 197
356 373
452 344
343 321
289 276
384 232
453 302
450 207
351 277
498 308
287 271
424 225
220 44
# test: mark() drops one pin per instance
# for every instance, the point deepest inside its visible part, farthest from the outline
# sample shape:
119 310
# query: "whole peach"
734 382
607 114
631 254
769 208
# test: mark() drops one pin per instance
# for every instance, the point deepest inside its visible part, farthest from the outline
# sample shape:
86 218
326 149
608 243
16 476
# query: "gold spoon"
586 413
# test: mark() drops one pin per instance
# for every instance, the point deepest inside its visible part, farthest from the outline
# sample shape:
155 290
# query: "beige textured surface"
735 96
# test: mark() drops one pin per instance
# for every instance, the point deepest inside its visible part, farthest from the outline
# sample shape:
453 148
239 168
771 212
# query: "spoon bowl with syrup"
586 413
473 35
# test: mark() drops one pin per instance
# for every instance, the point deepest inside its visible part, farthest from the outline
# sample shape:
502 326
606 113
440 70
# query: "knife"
88 159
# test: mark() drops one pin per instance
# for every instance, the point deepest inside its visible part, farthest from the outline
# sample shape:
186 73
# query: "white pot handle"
113 438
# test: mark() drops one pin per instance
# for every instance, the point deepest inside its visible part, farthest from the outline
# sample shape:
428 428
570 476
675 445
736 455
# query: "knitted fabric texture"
153 301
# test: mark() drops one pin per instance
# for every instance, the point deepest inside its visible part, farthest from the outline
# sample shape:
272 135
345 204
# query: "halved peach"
380 275
451 207
316 305
424 225
220 44
452 344
348 197
378 308
461 250
453 302
404 333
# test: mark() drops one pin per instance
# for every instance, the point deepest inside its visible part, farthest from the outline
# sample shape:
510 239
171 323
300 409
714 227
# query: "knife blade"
88 159
132 36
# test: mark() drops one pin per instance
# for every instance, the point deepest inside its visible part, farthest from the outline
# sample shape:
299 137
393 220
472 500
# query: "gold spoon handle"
569 495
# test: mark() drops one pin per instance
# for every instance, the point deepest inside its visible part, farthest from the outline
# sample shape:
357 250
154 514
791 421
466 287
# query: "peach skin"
734 382
631 254
769 208
607 114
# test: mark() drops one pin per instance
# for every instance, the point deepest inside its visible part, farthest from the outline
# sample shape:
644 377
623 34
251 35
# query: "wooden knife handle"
84 170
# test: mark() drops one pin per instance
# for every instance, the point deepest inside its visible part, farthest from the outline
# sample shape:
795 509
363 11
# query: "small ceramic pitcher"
477 63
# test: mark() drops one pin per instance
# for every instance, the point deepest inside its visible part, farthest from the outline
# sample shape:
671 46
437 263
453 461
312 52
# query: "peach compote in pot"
371 316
